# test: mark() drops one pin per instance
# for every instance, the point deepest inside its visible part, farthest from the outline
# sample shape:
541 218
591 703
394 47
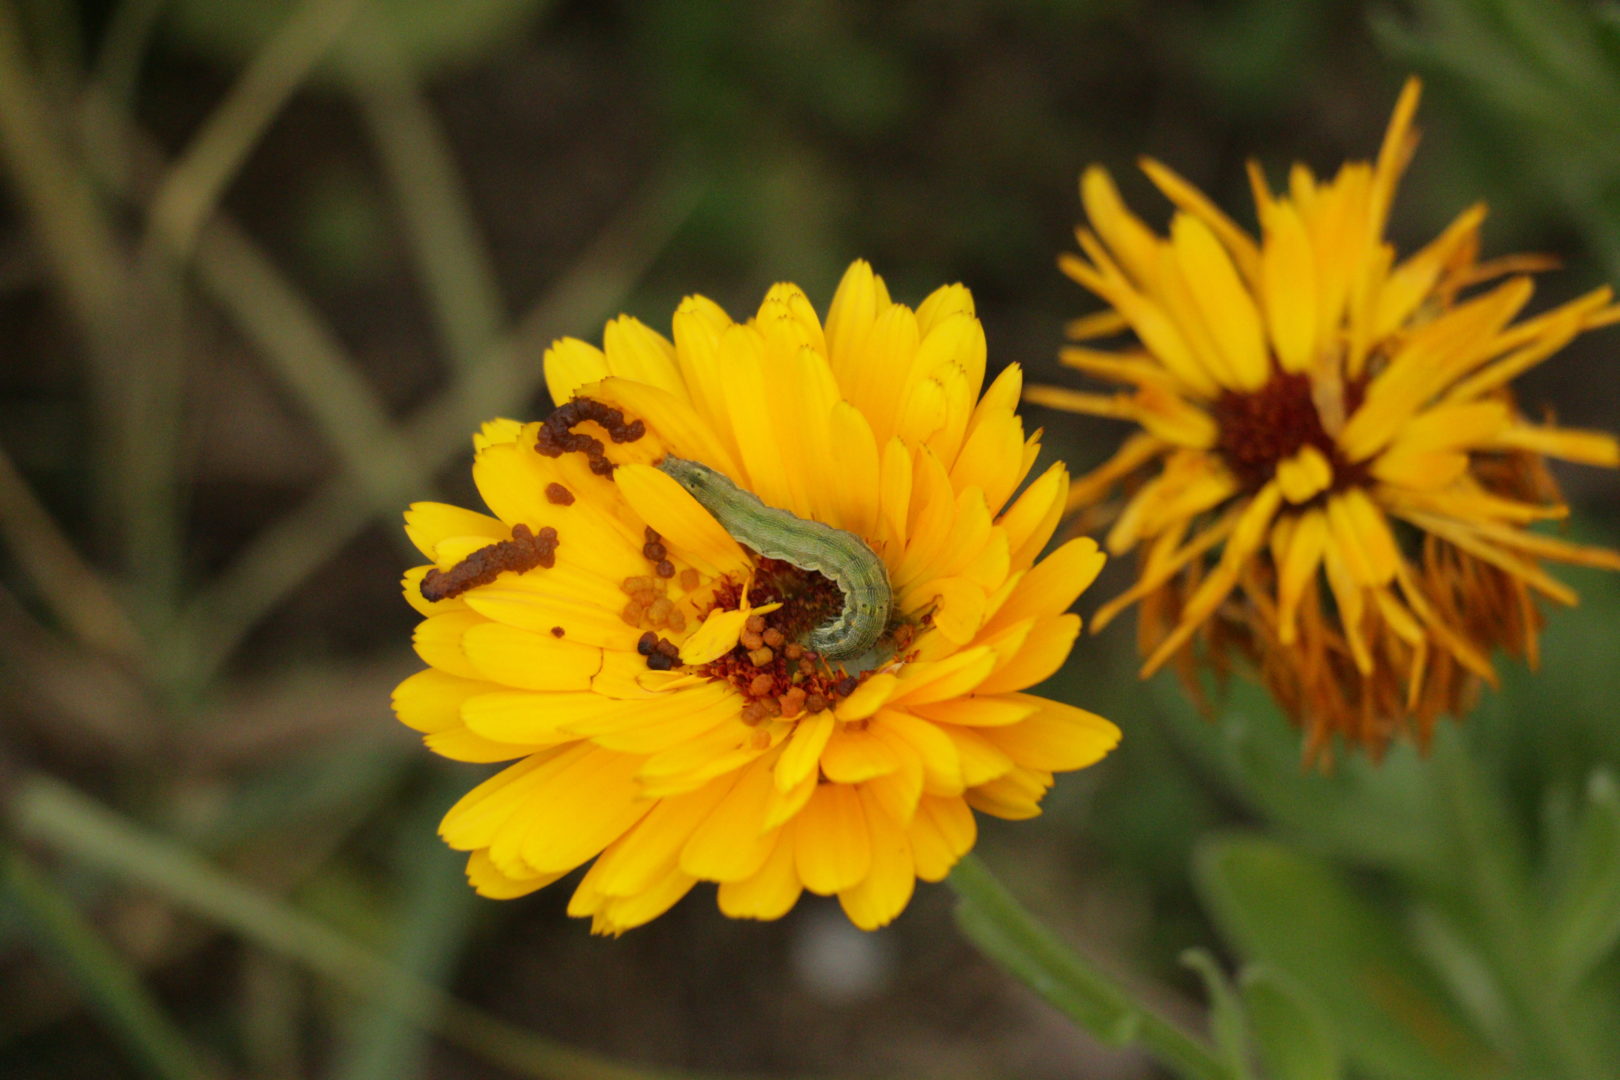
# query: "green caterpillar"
844 558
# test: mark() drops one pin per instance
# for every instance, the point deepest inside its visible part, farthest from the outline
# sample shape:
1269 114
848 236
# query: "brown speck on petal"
558 437
526 550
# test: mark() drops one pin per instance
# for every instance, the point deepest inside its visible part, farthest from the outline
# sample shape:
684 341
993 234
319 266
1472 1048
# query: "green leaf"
1346 812
436 915
51 813
1583 919
1289 1027
1227 1025
1290 912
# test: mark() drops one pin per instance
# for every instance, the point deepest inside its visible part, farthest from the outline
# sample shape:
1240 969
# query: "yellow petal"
1053 584
583 806
1224 302
1420 470
1586 447
1132 243
732 843
803 753
530 661
1195 202
674 420
681 520
614 915
1247 536
487 880
832 849
982 760
1043 653
1393 153
431 700
459 744
1288 276
857 489
1057 738
640 859
1155 329
1099 324
853 756
1362 535
958 608
981 710
1350 596
1014 796
1305 475
698 760
571 364
941 680
861 294
868 698
717 636
638 353
478 816
887 887
429 523
438 641
924 741
1299 564
942 831
770 892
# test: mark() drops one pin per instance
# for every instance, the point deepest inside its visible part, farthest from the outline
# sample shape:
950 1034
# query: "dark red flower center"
1259 430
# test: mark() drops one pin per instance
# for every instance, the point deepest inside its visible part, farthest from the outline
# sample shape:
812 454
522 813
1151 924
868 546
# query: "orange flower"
674 712
1314 410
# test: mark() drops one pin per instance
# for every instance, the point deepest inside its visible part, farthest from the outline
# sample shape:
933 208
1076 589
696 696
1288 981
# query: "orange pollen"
775 675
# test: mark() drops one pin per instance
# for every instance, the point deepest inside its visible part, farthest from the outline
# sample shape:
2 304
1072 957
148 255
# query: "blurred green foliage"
258 278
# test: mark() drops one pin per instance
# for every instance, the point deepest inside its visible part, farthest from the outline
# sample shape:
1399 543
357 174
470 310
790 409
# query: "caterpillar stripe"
841 556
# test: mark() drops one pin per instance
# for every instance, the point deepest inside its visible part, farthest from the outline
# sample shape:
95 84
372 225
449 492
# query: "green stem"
1011 937
199 177
107 981
47 812
450 253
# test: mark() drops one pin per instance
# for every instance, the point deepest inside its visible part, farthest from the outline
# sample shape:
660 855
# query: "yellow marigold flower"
652 677
1313 408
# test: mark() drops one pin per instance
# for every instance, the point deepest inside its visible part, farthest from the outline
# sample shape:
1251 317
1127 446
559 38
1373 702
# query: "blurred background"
265 265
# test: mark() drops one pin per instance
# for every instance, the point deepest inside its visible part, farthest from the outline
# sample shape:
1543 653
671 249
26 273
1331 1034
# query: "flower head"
755 607
1332 476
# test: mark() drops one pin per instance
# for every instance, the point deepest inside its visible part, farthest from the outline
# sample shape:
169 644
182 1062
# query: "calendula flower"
755 607
1312 409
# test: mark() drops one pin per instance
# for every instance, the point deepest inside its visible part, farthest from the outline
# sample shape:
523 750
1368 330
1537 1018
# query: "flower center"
774 672
1260 430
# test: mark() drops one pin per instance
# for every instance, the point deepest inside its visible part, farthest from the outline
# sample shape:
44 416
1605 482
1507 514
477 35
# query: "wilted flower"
820 709
1313 409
